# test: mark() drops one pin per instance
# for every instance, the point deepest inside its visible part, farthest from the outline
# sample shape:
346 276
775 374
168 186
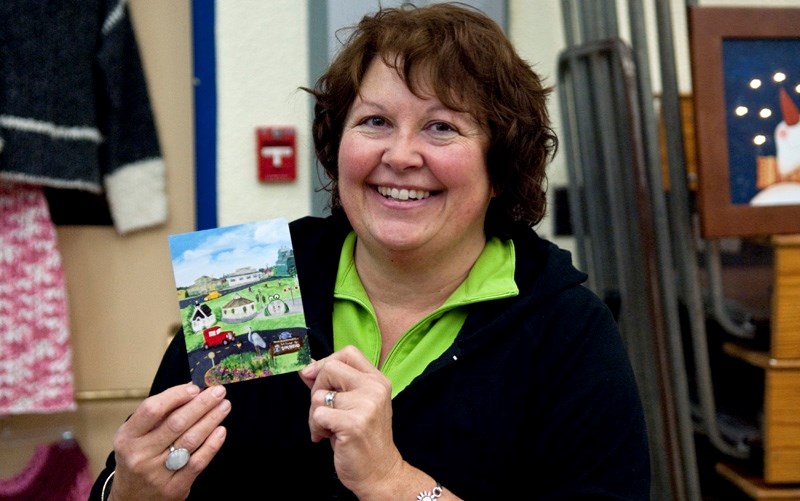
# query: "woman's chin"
398 242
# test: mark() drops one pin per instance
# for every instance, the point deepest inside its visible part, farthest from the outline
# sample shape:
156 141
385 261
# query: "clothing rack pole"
687 474
112 394
683 236
745 327
606 153
619 203
34 436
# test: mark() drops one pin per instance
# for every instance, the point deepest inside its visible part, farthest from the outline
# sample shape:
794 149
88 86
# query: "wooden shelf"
781 427
754 486
780 478
760 359
785 338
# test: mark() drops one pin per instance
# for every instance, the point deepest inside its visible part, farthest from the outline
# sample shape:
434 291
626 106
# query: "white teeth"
403 194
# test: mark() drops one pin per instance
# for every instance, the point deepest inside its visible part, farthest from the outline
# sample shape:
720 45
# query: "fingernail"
193 389
220 432
218 390
309 369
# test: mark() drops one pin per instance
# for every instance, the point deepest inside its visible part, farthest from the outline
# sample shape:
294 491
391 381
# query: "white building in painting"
243 276
239 309
202 317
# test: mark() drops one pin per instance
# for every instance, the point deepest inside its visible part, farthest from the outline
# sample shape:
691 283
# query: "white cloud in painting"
222 251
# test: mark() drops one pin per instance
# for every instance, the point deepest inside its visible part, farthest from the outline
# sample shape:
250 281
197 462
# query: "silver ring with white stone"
329 397
177 458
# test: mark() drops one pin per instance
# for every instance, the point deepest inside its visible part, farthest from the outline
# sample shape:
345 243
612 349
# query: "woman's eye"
442 127
374 121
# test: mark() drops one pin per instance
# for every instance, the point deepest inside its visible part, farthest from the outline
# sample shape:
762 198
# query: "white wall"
262 59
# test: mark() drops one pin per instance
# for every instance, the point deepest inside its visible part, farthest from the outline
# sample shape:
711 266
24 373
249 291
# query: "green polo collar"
355 322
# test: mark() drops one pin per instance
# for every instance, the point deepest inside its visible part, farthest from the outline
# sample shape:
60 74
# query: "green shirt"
355 322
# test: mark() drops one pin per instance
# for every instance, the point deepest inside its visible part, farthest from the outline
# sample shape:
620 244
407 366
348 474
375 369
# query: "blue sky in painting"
221 251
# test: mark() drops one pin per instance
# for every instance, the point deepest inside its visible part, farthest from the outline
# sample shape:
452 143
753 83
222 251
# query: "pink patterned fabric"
35 355
57 471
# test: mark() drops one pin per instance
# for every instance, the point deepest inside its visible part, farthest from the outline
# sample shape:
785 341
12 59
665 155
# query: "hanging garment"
56 472
36 358
74 108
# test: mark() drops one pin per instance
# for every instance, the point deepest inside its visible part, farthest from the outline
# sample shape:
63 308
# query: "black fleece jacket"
535 399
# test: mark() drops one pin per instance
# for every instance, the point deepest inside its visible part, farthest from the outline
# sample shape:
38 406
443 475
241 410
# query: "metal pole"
683 236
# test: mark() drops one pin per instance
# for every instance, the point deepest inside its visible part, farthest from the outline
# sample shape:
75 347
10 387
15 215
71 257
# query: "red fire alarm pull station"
275 154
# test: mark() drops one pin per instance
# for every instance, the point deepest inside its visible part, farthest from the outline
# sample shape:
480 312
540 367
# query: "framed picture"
746 92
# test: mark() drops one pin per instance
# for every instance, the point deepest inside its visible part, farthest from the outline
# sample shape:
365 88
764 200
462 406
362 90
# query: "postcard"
240 302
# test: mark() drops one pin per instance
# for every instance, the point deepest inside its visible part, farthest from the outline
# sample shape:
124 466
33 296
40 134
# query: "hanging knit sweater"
74 109
56 471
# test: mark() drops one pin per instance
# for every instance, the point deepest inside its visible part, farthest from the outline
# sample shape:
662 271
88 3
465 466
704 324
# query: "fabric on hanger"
75 113
56 471
36 360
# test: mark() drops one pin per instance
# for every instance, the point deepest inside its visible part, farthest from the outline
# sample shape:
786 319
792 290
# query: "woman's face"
412 172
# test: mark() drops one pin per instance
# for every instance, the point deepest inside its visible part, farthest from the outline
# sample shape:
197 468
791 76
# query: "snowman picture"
786 188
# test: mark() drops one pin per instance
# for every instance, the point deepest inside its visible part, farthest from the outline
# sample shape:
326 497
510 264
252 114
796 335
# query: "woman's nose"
402 152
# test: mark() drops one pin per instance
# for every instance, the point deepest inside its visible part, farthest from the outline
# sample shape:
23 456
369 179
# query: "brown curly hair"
471 66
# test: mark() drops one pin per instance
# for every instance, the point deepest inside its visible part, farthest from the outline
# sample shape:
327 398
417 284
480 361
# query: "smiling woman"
463 350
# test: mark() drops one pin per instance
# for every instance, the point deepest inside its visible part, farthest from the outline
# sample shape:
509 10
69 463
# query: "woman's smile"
403 193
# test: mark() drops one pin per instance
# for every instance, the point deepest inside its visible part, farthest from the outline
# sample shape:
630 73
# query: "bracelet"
107 483
435 493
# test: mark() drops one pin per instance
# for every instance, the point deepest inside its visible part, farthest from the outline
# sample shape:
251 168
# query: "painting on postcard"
240 302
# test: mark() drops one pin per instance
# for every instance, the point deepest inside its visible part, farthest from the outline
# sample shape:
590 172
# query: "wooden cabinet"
781 426
785 336
780 478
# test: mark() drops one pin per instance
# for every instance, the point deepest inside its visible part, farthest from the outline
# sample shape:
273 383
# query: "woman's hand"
181 416
359 421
